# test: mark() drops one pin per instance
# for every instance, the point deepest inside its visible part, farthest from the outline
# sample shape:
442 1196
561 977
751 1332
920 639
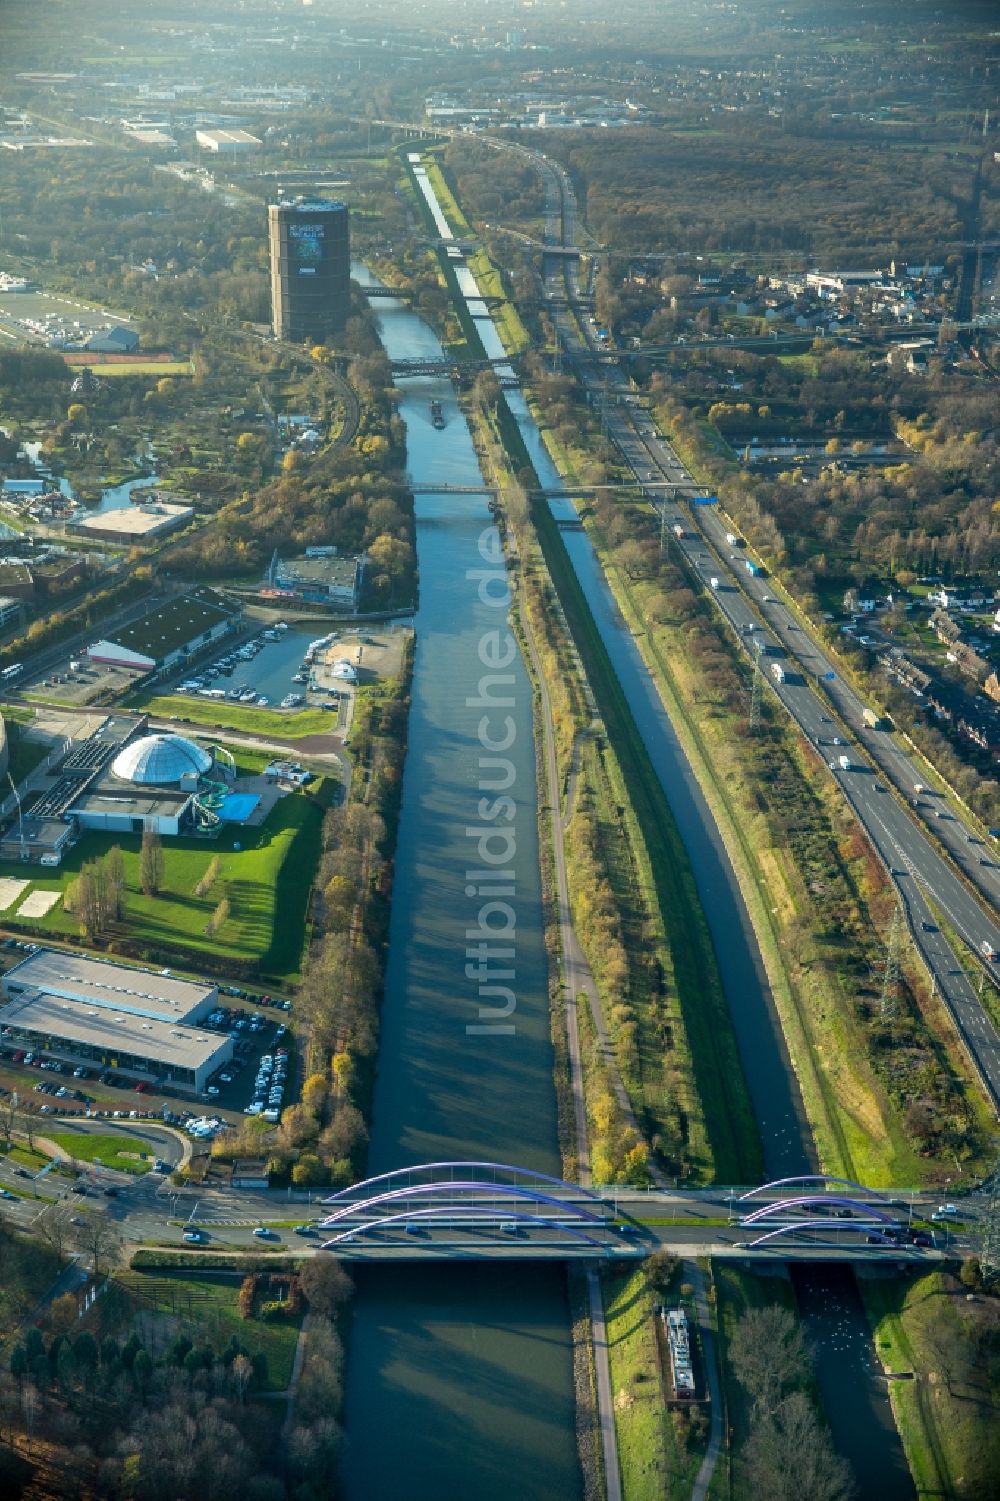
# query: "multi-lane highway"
827 709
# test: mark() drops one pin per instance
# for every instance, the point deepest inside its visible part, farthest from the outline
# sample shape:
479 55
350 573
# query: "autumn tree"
151 863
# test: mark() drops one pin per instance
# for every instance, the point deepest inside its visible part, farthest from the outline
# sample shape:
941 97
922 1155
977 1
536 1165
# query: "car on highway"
5 1193
194 1237
304 1230
263 1233
929 927
947 1211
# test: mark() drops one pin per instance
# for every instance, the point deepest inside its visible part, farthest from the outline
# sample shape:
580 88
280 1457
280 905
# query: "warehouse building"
133 525
113 1015
166 637
228 142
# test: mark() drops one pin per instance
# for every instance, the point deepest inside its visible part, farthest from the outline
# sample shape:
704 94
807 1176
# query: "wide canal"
460 1379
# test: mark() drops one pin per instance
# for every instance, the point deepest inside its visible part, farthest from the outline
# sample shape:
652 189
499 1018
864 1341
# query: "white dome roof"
161 758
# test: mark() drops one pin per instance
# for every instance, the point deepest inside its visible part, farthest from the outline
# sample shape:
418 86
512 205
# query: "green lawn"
267 881
654 1460
126 1153
209 1302
268 723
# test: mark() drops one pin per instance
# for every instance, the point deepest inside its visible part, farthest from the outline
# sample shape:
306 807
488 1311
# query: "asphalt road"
151 1210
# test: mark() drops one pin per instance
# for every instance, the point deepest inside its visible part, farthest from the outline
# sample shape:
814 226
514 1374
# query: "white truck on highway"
713 582
777 672
844 762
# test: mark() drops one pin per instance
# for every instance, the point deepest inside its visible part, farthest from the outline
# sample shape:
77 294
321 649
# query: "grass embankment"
267 881
269 724
209 1303
819 903
612 892
636 977
734 1142
925 1326
126 1153
658 1451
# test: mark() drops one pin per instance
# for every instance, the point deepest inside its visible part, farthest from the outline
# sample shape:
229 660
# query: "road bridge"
401 294
495 1211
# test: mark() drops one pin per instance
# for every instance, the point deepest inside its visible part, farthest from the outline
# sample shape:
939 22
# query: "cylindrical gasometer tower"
310 268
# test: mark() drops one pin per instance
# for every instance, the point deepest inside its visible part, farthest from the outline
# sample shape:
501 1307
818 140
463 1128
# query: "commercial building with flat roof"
228 142
173 631
323 580
135 524
104 983
310 268
115 1039
114 1015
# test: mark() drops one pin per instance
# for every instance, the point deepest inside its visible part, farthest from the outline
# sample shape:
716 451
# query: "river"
459 1379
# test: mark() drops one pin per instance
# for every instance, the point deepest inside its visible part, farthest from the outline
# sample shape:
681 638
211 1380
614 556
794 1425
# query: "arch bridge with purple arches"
468 1210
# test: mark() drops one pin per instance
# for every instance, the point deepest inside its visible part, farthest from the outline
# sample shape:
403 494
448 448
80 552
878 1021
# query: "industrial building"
228 142
145 522
166 637
114 339
319 577
113 1015
310 268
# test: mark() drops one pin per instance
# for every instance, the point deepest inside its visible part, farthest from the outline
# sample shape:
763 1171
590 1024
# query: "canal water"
848 1373
459 1379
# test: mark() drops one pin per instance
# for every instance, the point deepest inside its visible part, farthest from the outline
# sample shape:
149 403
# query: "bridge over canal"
465 1211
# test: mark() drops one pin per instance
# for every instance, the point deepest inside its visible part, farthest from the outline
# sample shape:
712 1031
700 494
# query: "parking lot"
256 1080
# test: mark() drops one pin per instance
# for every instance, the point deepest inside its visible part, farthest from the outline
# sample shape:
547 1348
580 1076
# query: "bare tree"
99 1240
789 1457
54 1227
769 1355
8 1111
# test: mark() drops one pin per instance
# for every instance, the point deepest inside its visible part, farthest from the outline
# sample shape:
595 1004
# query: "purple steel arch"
780 1206
806 1178
362 1206
441 1211
815 1225
427 1167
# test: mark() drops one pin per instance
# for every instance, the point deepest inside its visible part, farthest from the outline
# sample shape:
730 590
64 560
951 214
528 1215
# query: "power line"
890 970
